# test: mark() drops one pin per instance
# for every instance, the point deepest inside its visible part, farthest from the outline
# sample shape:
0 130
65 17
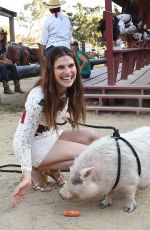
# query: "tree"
85 23
30 20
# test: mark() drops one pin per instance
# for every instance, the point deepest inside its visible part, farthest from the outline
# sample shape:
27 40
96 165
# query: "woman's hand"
21 189
7 61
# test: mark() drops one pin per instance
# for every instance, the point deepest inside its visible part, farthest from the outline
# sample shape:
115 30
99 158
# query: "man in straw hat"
57 29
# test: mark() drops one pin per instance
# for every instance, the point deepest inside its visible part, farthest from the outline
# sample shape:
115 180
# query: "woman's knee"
84 135
93 135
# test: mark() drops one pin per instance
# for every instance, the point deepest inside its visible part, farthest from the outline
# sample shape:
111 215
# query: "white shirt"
56 31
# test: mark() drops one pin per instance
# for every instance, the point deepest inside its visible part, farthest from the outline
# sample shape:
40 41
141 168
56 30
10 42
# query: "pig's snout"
67 195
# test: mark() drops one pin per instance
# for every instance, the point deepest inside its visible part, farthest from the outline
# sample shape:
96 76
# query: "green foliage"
85 23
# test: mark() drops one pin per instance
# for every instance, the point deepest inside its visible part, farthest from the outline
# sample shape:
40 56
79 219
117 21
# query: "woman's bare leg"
69 146
62 166
82 135
62 151
60 157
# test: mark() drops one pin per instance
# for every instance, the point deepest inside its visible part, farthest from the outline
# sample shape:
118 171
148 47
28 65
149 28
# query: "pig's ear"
88 173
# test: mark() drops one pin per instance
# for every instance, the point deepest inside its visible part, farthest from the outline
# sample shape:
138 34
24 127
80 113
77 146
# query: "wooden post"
140 4
109 41
12 30
10 14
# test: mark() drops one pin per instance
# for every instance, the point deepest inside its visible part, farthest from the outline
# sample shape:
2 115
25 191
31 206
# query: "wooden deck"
131 95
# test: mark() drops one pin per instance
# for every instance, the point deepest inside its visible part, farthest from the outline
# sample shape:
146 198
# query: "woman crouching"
44 149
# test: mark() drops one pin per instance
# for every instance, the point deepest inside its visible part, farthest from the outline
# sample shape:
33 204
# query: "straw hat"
52 4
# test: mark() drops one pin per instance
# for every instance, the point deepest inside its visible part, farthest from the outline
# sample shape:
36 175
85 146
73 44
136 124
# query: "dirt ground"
39 210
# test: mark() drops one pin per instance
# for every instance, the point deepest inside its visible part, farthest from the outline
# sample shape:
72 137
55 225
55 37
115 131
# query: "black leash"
116 131
10 170
116 136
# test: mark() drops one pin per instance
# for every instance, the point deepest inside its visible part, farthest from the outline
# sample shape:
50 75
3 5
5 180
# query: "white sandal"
39 181
43 188
56 176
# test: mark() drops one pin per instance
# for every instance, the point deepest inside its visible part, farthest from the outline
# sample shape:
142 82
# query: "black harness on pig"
117 137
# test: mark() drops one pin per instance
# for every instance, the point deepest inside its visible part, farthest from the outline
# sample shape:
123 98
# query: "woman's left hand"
21 190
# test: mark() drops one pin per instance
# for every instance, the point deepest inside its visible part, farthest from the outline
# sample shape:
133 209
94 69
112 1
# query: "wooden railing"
131 58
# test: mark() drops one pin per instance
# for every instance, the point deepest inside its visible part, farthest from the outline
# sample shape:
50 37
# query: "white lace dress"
32 149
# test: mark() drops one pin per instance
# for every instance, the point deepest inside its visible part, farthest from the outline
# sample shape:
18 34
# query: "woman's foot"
43 188
56 176
39 181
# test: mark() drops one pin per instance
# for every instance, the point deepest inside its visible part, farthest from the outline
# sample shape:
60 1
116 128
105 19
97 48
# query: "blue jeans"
4 71
47 50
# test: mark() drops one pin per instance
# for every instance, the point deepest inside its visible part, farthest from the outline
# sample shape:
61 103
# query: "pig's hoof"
103 205
129 209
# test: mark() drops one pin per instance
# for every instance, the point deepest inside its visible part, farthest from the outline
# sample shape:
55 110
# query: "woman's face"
65 73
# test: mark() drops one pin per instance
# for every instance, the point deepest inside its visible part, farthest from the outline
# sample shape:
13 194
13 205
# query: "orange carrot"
71 213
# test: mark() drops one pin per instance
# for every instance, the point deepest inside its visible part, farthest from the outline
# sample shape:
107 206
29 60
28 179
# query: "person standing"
6 65
43 148
57 28
82 59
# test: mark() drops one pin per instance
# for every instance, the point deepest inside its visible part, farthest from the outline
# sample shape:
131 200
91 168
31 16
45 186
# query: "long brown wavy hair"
76 105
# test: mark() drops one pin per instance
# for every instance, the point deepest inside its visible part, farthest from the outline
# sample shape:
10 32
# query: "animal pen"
124 84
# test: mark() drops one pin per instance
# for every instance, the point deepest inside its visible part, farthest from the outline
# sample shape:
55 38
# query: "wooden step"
117 96
117 108
121 90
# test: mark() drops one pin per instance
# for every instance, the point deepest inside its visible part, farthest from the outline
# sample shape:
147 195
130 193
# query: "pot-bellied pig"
96 170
